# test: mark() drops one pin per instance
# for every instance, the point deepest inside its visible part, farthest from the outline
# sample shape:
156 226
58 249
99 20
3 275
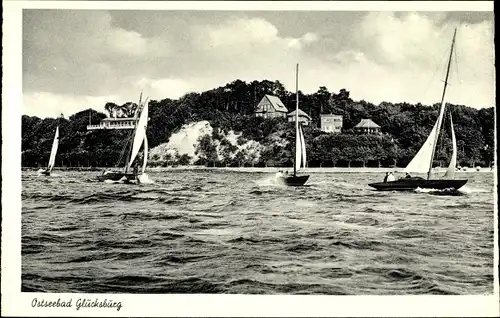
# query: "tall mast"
296 116
440 118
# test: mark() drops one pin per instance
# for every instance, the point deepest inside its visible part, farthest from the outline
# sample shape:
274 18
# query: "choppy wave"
204 232
270 180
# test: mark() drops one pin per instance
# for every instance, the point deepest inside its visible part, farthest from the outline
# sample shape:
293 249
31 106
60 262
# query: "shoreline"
266 169
304 170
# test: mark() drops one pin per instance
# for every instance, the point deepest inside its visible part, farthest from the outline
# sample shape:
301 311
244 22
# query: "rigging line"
121 154
438 67
123 149
456 64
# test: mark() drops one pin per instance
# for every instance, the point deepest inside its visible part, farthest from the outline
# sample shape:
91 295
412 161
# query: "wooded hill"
404 128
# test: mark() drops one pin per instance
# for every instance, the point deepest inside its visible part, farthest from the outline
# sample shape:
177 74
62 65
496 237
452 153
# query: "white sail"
145 160
298 149
140 134
302 147
423 159
422 162
450 173
55 144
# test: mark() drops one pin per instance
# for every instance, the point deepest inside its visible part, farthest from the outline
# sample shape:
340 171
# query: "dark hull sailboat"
117 176
300 147
45 172
295 181
422 161
408 184
139 139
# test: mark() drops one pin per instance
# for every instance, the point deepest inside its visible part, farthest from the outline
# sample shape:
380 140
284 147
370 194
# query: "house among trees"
304 118
121 117
271 106
114 123
331 123
367 126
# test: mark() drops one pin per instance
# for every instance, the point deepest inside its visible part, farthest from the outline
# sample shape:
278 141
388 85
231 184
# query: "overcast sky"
76 59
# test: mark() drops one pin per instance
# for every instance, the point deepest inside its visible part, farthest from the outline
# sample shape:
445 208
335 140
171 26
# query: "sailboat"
422 162
129 175
52 158
300 146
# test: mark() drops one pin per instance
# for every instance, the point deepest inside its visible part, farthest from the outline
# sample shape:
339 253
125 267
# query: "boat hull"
117 176
45 172
295 181
412 184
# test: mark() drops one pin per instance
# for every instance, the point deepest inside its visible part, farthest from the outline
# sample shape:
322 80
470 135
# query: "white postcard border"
16 303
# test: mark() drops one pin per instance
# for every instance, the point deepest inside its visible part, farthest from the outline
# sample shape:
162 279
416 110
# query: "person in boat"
136 173
386 176
390 177
279 174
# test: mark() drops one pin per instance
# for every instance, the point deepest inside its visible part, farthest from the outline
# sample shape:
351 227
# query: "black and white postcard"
248 158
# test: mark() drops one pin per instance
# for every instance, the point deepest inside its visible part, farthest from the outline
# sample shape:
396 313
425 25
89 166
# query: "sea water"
244 233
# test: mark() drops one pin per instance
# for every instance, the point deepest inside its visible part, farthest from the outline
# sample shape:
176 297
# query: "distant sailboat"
53 152
300 147
140 139
422 162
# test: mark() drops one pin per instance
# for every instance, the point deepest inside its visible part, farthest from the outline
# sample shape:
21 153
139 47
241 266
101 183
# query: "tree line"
231 107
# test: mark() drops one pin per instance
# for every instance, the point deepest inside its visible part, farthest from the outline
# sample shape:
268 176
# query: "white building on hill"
331 123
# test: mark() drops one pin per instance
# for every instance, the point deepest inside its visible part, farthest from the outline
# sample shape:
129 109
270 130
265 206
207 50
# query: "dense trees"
230 108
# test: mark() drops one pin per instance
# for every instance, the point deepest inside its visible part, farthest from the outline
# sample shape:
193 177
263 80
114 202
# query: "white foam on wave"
464 189
270 180
112 181
144 178
420 190
467 189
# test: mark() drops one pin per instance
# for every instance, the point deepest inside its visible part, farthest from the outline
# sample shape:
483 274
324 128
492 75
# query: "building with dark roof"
271 106
367 126
304 118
